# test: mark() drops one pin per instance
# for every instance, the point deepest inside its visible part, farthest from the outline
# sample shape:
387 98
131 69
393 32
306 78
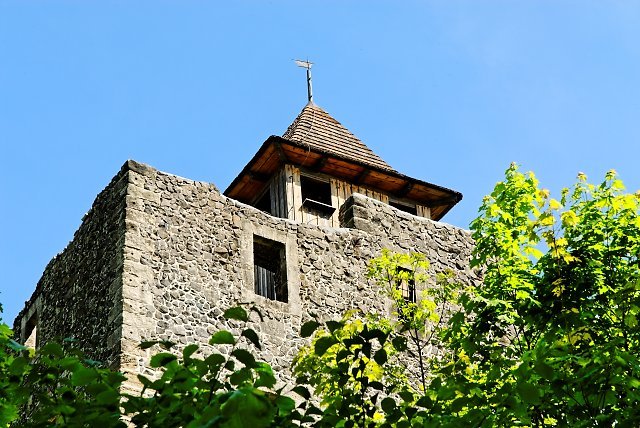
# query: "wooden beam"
360 177
319 164
443 201
259 176
280 151
405 189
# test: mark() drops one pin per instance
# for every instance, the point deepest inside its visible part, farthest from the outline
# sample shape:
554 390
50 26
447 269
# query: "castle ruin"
161 257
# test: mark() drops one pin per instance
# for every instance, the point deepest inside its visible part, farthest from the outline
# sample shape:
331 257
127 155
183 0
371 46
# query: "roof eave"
453 197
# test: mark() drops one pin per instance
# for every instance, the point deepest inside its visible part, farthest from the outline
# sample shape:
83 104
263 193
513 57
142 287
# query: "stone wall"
188 256
79 294
162 257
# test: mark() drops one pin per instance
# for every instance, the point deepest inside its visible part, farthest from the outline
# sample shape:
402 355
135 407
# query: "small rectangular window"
407 288
411 209
315 190
316 195
269 269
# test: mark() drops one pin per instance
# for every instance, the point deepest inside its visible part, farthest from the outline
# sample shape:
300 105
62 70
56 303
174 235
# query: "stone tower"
160 257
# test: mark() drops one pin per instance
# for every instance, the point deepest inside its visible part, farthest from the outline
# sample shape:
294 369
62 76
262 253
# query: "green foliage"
550 337
363 369
11 372
350 367
553 336
423 321
55 386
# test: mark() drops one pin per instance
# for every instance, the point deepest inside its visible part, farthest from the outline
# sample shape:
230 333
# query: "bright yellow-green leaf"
554 204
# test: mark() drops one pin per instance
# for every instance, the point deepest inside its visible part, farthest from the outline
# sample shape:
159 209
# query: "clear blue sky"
449 92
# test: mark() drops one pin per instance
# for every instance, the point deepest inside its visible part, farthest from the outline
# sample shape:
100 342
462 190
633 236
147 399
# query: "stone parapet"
161 257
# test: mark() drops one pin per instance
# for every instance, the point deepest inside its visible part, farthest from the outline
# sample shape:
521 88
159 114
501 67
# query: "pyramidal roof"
319 130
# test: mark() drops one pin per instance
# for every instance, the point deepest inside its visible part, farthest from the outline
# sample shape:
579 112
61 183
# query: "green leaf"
83 376
377 385
285 405
189 350
245 357
334 325
252 336
634 383
53 349
16 346
236 313
265 376
302 391
166 344
399 343
544 370
322 344
308 328
18 365
240 377
342 354
215 360
380 356
425 401
247 407
107 397
148 344
222 337
388 404
406 396
162 359
528 392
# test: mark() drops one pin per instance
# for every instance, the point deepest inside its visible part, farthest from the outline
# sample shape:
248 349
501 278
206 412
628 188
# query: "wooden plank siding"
286 197
423 211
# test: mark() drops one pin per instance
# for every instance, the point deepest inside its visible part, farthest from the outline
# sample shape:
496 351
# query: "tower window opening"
264 202
315 190
411 209
269 269
407 287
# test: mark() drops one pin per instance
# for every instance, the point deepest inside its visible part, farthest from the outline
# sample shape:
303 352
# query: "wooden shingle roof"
316 128
317 142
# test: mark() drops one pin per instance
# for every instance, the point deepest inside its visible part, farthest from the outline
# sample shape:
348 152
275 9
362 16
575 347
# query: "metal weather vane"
307 65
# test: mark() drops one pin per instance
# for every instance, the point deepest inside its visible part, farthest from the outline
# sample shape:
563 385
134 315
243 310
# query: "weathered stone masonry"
159 256
80 292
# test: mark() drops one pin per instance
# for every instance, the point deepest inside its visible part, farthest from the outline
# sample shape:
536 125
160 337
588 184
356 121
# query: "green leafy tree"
350 369
423 320
57 386
61 387
54 386
11 373
367 370
552 337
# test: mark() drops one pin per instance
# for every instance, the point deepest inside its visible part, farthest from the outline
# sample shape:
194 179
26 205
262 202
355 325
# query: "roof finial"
306 64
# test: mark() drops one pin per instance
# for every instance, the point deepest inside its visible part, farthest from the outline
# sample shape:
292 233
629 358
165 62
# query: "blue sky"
449 92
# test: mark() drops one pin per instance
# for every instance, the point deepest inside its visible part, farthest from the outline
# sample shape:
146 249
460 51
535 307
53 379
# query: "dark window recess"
319 191
269 269
264 203
316 195
407 288
411 209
